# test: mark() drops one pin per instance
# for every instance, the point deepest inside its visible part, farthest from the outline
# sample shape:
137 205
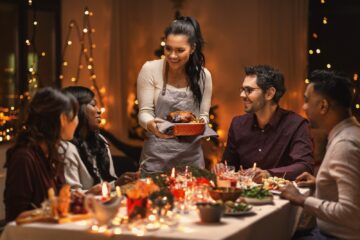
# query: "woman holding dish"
180 82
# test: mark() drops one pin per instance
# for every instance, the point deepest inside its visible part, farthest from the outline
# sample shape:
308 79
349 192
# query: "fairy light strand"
318 50
9 115
84 37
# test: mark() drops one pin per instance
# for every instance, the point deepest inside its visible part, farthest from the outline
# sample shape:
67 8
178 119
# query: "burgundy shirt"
27 180
283 146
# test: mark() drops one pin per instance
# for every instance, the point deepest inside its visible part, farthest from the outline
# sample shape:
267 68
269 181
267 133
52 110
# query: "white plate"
240 213
275 192
255 201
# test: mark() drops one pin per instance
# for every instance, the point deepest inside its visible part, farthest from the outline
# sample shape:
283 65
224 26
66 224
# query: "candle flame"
254 167
118 191
104 190
173 172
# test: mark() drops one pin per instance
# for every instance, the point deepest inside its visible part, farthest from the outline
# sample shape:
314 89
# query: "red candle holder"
137 208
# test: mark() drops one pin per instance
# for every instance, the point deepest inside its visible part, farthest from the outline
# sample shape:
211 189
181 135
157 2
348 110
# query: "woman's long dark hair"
93 144
43 125
195 66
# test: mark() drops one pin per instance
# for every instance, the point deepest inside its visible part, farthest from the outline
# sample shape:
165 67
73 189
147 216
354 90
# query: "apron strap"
165 77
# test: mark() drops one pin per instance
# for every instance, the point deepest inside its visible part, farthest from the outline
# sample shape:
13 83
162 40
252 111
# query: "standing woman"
34 164
180 82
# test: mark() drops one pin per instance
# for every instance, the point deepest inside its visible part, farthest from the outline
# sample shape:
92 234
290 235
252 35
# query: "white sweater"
150 83
337 198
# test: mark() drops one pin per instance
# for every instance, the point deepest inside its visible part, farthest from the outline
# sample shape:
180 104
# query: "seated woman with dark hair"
88 158
34 163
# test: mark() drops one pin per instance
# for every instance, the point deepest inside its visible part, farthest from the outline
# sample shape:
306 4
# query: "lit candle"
118 191
254 167
104 192
172 177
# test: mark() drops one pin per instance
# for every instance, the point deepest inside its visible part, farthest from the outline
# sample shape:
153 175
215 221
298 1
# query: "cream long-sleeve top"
76 173
336 203
150 83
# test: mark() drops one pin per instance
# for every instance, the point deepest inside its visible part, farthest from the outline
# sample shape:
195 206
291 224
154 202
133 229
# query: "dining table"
277 220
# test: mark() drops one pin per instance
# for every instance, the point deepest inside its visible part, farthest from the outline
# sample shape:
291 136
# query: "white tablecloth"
273 221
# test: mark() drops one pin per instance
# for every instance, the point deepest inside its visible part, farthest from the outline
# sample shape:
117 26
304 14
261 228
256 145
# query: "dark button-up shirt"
283 147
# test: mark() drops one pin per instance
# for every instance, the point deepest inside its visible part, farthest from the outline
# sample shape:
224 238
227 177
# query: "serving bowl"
225 193
210 212
188 129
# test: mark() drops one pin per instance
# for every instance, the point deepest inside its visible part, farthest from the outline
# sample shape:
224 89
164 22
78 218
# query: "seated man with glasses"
277 140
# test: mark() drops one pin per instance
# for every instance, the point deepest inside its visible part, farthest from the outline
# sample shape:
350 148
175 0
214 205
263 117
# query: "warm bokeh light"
325 20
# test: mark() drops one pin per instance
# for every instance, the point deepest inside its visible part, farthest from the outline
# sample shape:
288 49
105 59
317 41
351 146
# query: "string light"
9 115
357 106
84 36
322 1
355 77
311 52
328 65
318 51
315 35
307 81
325 20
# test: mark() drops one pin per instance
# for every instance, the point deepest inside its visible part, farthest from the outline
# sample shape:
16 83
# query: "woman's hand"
127 178
305 180
151 127
97 189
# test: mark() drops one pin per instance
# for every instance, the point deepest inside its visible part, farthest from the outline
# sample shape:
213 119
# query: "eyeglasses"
247 90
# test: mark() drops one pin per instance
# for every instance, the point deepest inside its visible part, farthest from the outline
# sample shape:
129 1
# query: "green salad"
234 207
256 192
